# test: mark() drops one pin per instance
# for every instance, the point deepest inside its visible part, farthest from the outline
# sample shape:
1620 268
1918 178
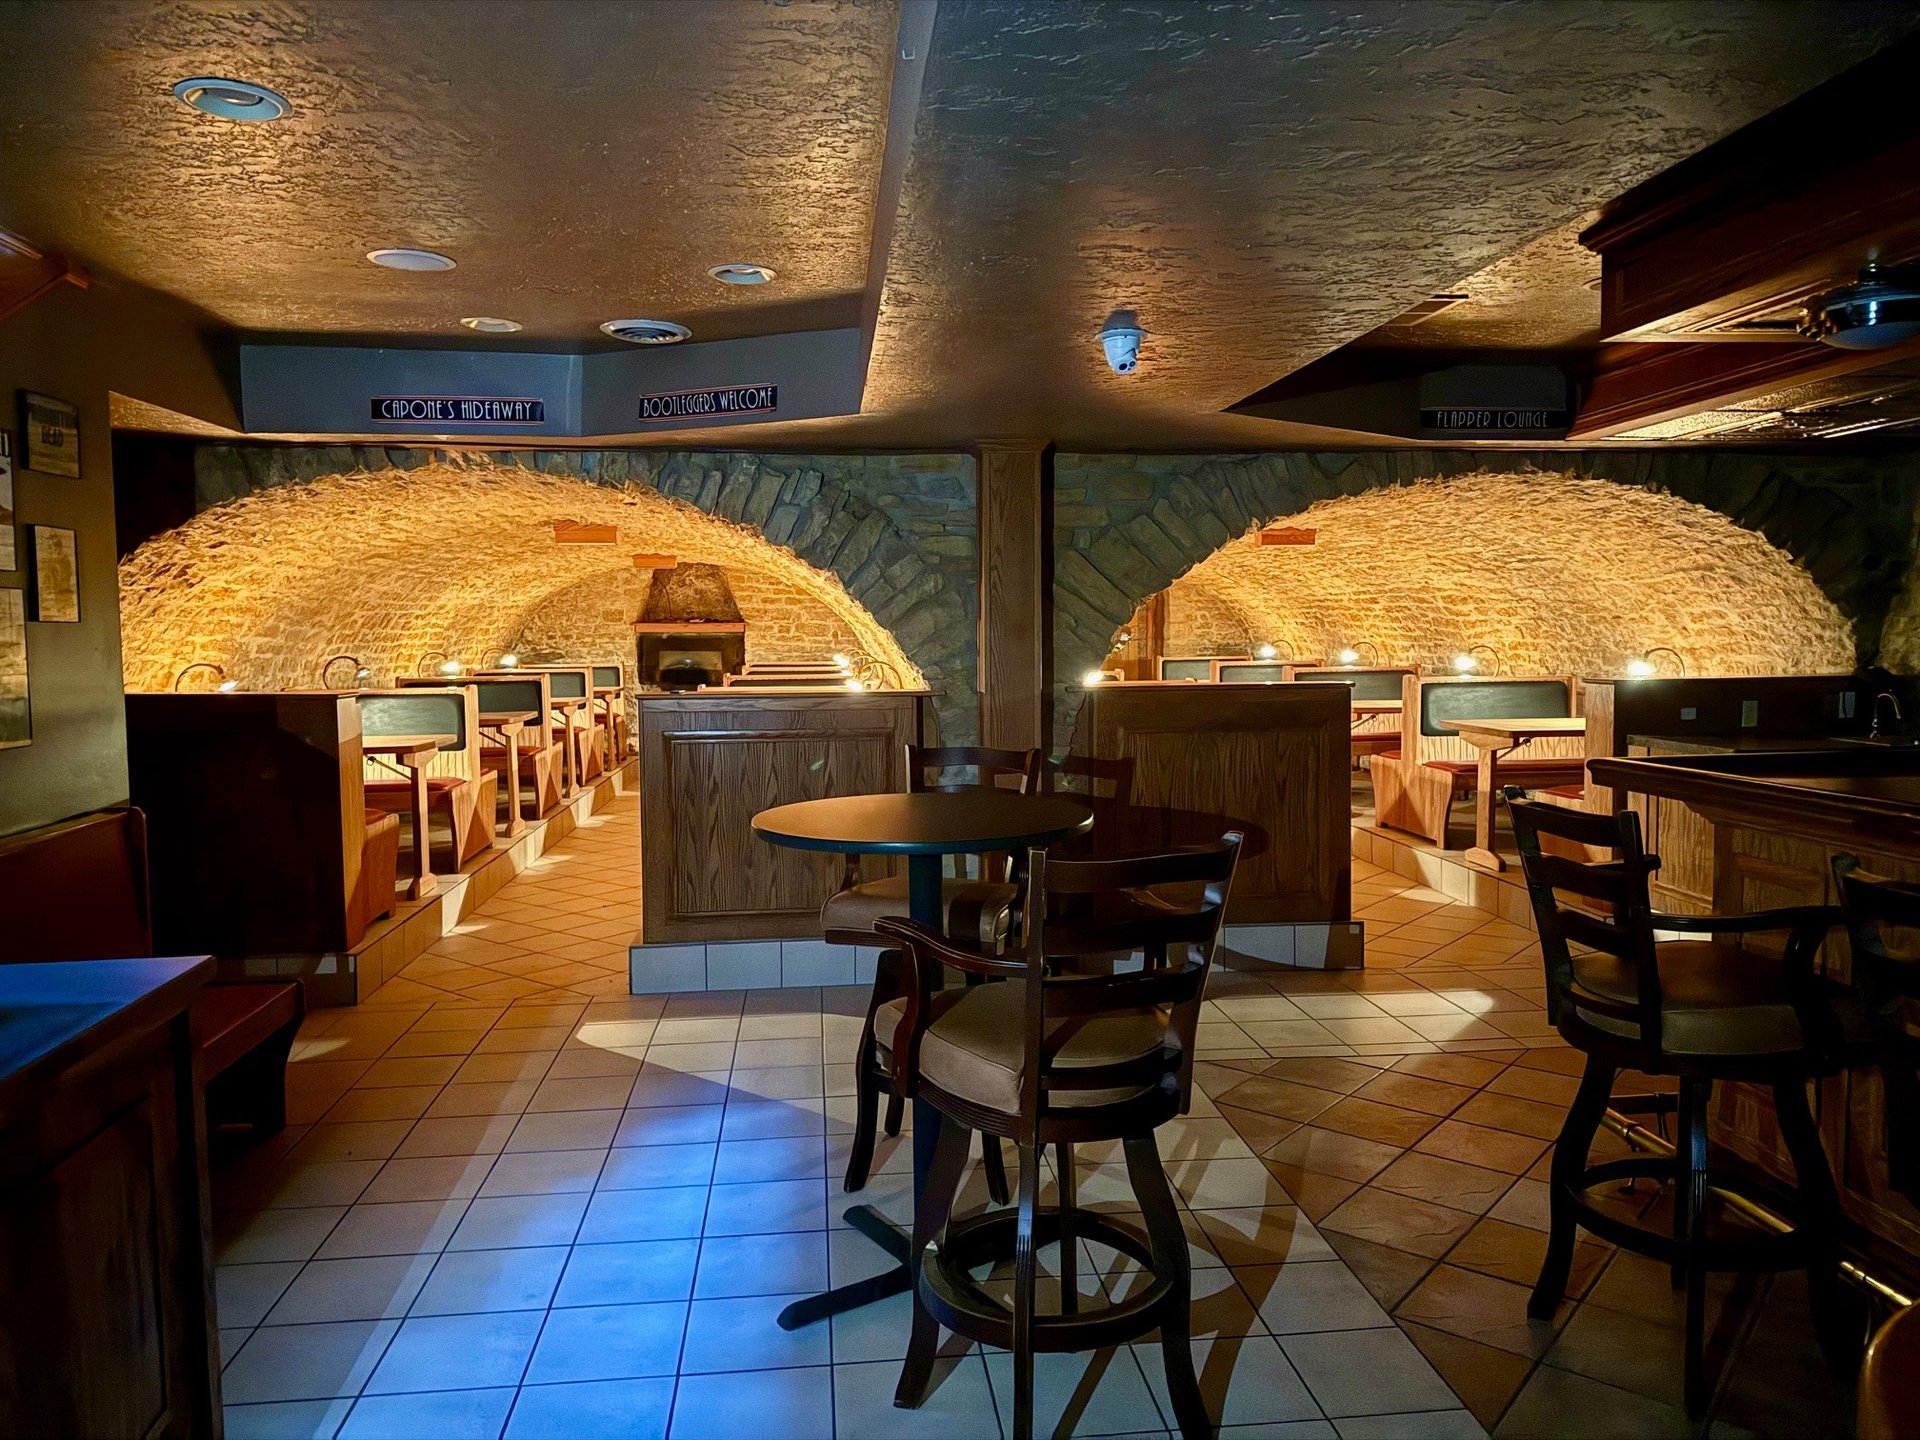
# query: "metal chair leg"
1069 1250
1693 1178
1025 1268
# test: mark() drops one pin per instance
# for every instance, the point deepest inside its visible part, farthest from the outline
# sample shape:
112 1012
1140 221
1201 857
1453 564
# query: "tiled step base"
391 944
1447 871
777 964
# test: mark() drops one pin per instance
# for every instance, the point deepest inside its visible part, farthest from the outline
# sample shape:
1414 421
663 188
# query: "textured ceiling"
1262 182
582 161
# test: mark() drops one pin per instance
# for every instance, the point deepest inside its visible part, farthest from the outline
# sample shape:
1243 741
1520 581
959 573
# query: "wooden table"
924 826
509 724
412 753
1495 740
1365 710
570 761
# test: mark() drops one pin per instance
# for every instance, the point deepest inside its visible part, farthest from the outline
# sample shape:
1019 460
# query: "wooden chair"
541 758
1889 1403
1700 1010
1415 785
1045 1059
978 912
1883 933
459 786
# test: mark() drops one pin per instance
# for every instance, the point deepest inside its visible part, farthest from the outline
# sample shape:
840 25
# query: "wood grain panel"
1013 612
709 763
1270 760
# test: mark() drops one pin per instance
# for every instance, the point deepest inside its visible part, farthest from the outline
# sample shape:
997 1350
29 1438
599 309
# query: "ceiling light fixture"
646 332
490 324
741 273
1876 312
404 257
231 99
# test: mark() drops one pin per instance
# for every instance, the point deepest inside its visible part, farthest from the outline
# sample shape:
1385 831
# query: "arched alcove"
392 564
1556 573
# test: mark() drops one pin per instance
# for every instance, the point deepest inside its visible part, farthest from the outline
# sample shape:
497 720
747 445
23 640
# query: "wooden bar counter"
1770 820
1269 760
710 760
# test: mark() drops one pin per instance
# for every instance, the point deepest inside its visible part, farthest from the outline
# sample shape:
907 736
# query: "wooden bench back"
1380 682
564 682
512 691
609 677
1249 672
452 710
1192 667
77 890
1428 702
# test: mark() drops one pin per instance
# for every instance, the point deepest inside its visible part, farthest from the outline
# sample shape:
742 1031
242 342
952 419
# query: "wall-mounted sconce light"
1468 661
1644 667
1094 677
437 662
361 674
451 668
1350 655
225 687
844 662
505 659
1271 651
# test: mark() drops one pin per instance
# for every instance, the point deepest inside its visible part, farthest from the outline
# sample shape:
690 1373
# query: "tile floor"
513 1200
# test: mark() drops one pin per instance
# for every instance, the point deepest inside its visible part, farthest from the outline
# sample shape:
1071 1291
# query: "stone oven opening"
690 631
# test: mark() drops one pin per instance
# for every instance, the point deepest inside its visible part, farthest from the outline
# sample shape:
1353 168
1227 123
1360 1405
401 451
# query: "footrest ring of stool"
962 1306
1786 1250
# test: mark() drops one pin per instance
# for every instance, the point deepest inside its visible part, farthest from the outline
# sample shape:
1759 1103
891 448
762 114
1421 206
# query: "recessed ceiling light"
231 99
646 332
403 258
740 273
490 324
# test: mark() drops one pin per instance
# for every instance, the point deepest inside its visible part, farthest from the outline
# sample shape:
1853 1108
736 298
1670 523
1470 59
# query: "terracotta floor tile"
1273 1096
1453 1069
1485 1379
1371 1120
1399 1222
1324 1073
1506 1112
1515 1253
1477 1145
1445 1182
1332 1152
1414 1092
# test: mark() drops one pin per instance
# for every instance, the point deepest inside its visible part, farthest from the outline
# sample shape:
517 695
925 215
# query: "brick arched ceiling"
393 564
1557 573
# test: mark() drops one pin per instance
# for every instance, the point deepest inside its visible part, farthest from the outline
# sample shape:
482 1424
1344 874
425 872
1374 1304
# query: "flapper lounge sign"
1493 418
458 410
702 404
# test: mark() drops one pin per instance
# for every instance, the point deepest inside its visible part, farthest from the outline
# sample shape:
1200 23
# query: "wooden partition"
255 818
1374 682
711 760
539 743
1269 760
569 686
610 694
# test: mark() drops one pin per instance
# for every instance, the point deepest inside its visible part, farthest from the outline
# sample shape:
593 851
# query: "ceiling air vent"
646 332
1426 310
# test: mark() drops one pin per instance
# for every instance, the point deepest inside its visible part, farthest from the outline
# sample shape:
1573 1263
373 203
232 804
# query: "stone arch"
890 537
1127 526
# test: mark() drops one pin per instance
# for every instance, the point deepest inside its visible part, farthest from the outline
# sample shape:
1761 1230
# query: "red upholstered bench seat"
1572 765
436 785
1567 792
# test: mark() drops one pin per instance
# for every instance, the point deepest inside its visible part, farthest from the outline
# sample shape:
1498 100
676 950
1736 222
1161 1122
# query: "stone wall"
1127 526
891 536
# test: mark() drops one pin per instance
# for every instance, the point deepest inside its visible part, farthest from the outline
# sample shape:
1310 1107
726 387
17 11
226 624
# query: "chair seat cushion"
977 911
975 1051
1716 999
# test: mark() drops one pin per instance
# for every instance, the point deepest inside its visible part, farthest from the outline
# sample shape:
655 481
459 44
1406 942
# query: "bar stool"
1883 932
1699 1010
1052 1059
978 913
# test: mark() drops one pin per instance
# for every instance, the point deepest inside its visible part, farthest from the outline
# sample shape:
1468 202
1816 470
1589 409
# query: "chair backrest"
1379 683
1249 672
1883 933
449 710
1192 667
566 682
928 768
1169 908
1430 704
609 677
1618 918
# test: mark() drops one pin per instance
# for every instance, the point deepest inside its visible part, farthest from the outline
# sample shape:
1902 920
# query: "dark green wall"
79 345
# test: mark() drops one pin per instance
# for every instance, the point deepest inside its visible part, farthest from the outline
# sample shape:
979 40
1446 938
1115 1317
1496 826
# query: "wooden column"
1014 603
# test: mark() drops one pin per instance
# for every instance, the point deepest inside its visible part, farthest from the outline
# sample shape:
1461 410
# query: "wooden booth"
422 748
262 839
713 759
1268 760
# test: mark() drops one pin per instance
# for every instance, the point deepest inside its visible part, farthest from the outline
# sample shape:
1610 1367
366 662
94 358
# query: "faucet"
1891 699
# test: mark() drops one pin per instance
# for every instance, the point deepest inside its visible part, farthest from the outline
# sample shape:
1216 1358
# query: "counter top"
773 692
1739 744
50 1014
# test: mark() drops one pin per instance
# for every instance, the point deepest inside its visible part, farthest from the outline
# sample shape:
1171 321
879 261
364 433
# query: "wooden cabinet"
710 762
105 1278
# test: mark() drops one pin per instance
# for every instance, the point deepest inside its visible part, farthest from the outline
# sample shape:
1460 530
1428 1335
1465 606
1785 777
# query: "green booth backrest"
428 714
1367 684
1442 704
567 684
503 696
606 677
1252 672
1186 667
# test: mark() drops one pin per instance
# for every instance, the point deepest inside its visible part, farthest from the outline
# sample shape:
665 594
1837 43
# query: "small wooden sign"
459 410
575 532
1287 535
655 562
706 404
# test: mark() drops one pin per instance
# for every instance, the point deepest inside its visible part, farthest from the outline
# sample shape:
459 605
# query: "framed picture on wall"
55 573
16 713
9 555
49 435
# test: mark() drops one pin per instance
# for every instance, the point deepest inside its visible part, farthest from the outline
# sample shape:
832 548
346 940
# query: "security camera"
1121 342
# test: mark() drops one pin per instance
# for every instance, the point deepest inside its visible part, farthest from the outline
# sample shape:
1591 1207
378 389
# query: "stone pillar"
1014 602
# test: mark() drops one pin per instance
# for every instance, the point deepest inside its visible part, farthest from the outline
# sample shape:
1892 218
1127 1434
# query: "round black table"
924 826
